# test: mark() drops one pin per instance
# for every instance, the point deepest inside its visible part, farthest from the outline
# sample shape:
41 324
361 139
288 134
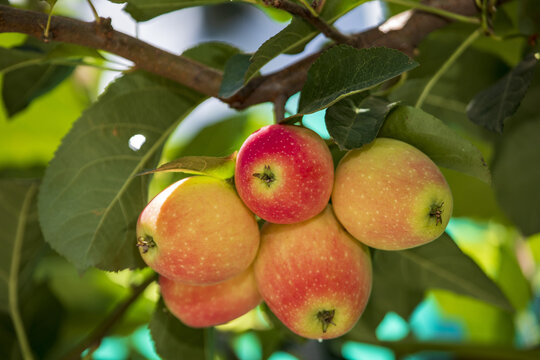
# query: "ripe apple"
210 305
284 173
313 275
198 231
391 196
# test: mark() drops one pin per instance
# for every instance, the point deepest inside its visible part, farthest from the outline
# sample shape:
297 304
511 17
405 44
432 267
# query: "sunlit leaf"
343 71
356 120
220 167
492 106
435 139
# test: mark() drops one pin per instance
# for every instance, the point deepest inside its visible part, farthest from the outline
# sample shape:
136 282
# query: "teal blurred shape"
357 351
281 355
141 340
112 348
427 323
313 121
392 328
247 347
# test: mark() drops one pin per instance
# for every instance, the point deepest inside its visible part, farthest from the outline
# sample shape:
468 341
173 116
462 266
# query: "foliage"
72 221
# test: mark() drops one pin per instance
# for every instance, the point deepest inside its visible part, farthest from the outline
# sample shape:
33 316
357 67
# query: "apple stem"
267 176
326 318
436 211
145 243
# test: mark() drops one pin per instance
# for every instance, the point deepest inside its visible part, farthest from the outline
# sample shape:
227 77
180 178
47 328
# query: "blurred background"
28 142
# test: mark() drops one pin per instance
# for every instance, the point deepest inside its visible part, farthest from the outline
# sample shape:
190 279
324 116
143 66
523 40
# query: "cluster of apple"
309 261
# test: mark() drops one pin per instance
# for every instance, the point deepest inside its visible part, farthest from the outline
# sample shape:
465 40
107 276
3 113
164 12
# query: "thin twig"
206 80
451 60
279 108
93 340
437 11
328 30
13 284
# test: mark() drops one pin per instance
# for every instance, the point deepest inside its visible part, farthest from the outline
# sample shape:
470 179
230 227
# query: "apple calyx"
145 243
267 176
326 318
436 212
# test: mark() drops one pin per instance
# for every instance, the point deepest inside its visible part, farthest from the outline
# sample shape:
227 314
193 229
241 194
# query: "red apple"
313 275
391 196
284 173
198 231
210 305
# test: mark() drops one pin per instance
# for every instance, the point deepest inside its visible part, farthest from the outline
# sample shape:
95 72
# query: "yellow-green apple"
284 173
198 231
313 275
391 196
210 305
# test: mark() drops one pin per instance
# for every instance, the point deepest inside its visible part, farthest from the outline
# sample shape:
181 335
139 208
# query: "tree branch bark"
199 77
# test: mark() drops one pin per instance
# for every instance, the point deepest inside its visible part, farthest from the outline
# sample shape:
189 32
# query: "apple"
313 275
391 196
198 231
210 305
284 173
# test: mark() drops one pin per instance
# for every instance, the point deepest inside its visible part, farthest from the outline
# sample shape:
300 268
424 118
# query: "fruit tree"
269 179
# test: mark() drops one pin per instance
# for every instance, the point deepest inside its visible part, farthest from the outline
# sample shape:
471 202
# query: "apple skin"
210 305
199 232
391 196
309 269
284 173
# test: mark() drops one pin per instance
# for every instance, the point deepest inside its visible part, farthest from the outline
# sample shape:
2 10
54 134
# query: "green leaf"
90 198
516 175
22 86
431 136
219 167
233 76
296 35
142 10
343 71
356 120
492 106
30 71
213 53
20 237
174 340
440 265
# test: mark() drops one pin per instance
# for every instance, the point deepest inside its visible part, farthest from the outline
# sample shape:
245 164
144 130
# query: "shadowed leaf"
343 71
356 120
440 265
492 106
174 340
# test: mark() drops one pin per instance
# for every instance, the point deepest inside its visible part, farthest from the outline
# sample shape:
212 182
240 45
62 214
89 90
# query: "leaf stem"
94 11
447 64
310 15
13 284
308 6
209 343
93 340
46 36
436 11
